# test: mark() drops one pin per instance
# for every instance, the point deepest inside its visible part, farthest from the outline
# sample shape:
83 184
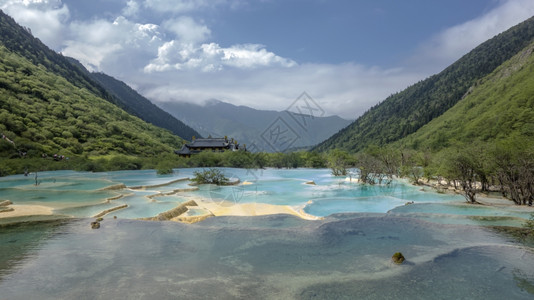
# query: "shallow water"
347 255
272 257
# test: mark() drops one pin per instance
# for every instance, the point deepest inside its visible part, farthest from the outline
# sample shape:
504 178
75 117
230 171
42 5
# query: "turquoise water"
345 255
57 189
57 180
83 194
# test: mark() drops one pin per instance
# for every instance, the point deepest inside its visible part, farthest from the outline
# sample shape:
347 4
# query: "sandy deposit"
227 208
27 210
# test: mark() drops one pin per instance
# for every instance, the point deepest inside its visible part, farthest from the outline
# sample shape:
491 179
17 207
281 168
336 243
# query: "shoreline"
481 198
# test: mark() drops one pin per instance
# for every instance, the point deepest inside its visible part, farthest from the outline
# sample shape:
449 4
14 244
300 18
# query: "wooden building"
209 144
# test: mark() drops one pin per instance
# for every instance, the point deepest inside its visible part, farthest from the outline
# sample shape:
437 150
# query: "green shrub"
210 176
164 168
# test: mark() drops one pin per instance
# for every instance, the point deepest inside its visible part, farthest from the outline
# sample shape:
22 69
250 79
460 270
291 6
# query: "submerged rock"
95 225
398 258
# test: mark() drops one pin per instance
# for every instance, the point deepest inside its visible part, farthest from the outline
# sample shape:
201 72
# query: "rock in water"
398 258
95 225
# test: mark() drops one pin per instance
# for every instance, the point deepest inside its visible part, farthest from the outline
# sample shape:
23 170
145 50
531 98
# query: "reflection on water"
345 255
18 241
271 257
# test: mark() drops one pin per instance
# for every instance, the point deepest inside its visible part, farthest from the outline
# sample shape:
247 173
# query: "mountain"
137 105
499 107
19 40
404 113
50 106
251 126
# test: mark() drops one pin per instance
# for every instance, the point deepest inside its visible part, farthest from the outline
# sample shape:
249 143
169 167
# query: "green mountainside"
19 40
404 113
499 107
485 142
134 103
50 106
44 113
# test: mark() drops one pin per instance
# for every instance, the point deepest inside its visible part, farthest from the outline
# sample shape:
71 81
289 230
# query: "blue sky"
347 55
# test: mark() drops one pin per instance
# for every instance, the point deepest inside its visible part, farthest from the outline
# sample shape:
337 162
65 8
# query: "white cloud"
247 56
452 43
101 44
187 30
175 55
46 18
132 8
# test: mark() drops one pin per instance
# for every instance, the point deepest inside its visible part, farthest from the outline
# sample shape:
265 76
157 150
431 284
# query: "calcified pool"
344 254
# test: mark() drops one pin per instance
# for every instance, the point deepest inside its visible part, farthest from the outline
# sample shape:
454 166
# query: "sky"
347 55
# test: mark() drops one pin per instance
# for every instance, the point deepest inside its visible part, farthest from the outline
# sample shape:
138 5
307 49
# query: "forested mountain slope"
48 106
499 107
404 113
19 40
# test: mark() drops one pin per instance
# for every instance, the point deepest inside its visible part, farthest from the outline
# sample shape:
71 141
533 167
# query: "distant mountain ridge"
131 101
405 112
249 125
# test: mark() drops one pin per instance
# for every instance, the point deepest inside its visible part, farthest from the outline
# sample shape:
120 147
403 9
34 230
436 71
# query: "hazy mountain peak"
249 125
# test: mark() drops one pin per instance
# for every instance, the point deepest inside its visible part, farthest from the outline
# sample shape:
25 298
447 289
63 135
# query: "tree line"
506 167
